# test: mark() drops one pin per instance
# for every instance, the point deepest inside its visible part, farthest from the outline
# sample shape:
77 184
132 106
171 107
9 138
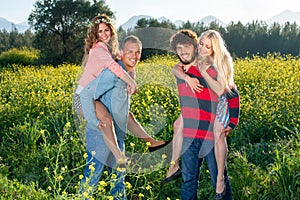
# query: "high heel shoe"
151 149
173 177
220 196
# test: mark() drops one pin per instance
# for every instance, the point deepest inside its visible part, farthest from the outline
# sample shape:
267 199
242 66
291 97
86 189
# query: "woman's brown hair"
93 37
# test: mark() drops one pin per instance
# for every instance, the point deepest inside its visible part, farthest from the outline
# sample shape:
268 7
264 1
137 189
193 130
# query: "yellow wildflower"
141 195
132 144
128 185
103 183
92 168
85 155
113 176
120 169
60 177
85 194
148 144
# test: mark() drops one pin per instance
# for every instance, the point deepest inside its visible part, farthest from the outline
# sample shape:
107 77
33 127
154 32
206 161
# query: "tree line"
59 29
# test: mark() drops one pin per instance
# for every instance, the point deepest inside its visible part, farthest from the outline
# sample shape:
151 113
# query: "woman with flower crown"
101 47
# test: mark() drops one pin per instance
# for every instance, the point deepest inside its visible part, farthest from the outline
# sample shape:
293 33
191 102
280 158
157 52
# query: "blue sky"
226 10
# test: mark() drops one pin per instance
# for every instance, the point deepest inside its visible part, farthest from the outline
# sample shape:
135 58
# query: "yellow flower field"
41 141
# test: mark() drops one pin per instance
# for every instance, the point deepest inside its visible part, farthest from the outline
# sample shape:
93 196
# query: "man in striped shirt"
198 109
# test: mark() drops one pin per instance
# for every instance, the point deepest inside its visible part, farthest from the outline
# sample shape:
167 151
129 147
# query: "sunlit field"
42 152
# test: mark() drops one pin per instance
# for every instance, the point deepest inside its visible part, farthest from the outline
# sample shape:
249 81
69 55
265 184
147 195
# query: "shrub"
13 189
23 56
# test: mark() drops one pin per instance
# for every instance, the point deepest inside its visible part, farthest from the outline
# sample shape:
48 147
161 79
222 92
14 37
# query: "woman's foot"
220 196
173 173
220 185
158 145
220 189
174 167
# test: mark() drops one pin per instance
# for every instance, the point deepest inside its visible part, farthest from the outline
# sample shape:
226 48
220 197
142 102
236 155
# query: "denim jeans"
102 156
191 164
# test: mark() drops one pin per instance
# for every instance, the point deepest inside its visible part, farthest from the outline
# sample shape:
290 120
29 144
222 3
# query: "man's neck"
187 66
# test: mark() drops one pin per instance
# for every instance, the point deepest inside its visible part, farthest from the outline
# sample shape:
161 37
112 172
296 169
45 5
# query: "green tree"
235 38
14 39
275 41
290 33
4 40
121 34
60 27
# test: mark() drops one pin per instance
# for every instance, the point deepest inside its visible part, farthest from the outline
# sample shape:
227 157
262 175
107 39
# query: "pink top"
99 58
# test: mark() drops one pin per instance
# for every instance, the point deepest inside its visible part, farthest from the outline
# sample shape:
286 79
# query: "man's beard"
187 62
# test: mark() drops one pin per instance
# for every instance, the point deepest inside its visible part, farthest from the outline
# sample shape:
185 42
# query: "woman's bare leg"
135 127
177 146
109 135
221 154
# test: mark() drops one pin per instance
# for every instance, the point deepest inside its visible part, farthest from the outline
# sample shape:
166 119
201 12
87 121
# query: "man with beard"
193 130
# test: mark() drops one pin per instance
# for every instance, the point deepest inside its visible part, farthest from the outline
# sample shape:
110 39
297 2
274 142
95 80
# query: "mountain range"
9 26
281 18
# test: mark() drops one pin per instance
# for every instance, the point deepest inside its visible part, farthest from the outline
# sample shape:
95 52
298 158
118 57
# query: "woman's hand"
194 84
203 67
132 90
226 131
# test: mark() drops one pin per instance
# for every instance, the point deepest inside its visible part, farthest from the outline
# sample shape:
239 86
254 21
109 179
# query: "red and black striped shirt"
199 109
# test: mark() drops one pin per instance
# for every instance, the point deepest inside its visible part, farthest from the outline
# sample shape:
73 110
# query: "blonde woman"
213 52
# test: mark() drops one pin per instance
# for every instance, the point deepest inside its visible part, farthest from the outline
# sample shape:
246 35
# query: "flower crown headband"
102 19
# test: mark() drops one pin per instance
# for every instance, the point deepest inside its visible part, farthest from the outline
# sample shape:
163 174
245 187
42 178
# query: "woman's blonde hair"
93 36
222 59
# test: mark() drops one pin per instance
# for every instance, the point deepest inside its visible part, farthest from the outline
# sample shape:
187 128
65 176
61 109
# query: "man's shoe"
173 177
151 149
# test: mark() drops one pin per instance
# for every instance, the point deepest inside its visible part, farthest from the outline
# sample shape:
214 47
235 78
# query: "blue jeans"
103 156
192 158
